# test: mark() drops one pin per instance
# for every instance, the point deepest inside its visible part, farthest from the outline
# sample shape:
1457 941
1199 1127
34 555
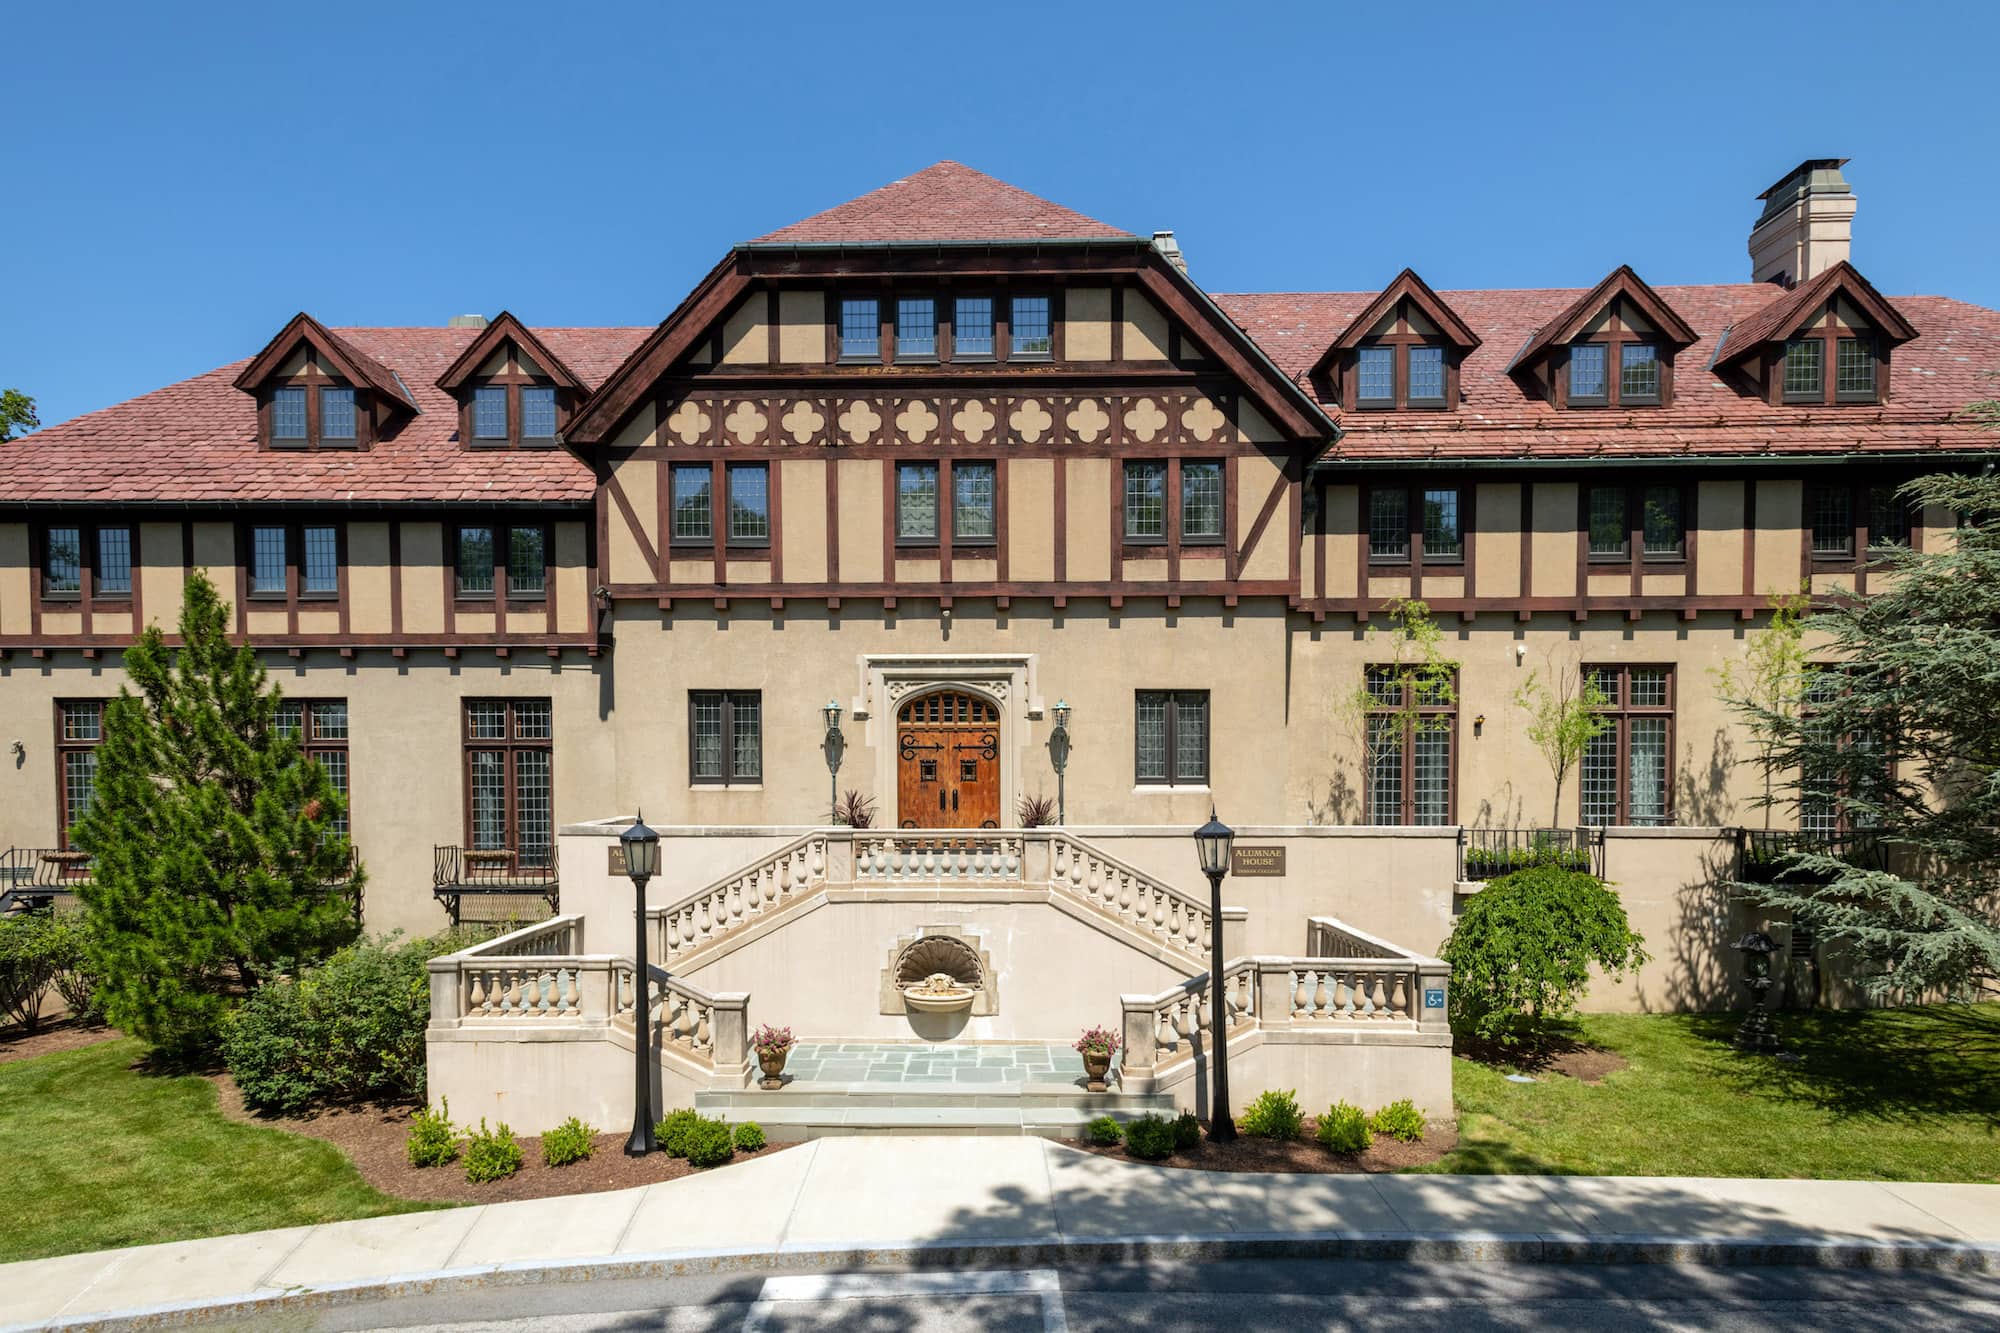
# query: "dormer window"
315 390
489 413
1824 343
288 415
1612 347
538 413
336 415
511 389
305 415
1402 351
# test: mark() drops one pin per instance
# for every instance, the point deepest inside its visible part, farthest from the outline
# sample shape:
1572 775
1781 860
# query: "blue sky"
182 179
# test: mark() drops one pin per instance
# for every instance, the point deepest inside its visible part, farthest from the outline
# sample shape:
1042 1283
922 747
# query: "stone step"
793 1124
1019 1096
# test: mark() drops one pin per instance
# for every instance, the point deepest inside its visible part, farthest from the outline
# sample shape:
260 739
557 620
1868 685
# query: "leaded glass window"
1626 769
1854 369
1171 746
1375 375
1389 524
1201 501
320 728
319 571
527 562
79 730
917 502
972 327
1385 771
1410 738
972 512
267 561
1805 372
1588 382
475 562
1609 535
726 732
538 413
489 412
510 796
114 561
1832 513
1888 517
1426 374
336 413
916 328
693 501
1660 522
1638 373
288 414
1442 538
1031 333
62 562
860 329
1146 501
749 504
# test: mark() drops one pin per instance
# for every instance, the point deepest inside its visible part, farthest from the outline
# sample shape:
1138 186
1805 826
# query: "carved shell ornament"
936 955
746 422
803 422
1030 420
860 421
688 422
1088 420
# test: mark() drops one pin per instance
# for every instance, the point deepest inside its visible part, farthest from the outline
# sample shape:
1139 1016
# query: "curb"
1433 1247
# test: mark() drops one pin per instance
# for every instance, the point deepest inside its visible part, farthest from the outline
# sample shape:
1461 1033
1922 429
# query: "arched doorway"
948 761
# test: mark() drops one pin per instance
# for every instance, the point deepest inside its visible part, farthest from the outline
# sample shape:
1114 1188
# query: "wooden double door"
948 761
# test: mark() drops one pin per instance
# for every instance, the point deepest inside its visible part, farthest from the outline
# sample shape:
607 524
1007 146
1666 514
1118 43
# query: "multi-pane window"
1375 375
694 503
916 328
288 414
1888 517
917 502
1662 526
1146 501
79 731
1389 524
510 803
1426 374
726 737
1638 373
1201 501
972 327
319 562
972 502
1410 725
1854 369
1845 772
538 413
1400 373
1661 530
1609 535
1626 768
749 504
336 413
113 575
1172 739
489 412
106 551
267 561
62 562
1831 512
1589 382
1031 333
320 728
1805 370
1442 538
527 562
475 561
860 329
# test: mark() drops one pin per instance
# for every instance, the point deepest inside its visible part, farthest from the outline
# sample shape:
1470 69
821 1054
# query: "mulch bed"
1558 1055
61 1035
1302 1157
373 1138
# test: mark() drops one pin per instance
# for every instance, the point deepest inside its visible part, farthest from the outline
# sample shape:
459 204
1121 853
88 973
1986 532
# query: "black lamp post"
1213 841
1756 1034
642 862
833 745
1059 756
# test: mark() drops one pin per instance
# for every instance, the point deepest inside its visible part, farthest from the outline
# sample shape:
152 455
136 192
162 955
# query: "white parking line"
809 1288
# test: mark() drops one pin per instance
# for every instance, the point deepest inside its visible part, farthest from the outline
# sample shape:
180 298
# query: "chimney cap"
466 322
1807 175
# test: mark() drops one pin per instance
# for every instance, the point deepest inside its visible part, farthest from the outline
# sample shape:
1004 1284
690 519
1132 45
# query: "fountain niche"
940 974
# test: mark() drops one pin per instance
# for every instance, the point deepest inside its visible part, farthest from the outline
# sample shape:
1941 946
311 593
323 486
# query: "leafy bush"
749 1136
1521 953
433 1138
1491 862
29 962
77 978
1150 1137
349 1030
1104 1131
1187 1131
571 1141
491 1154
1399 1120
708 1143
672 1132
1344 1129
1275 1115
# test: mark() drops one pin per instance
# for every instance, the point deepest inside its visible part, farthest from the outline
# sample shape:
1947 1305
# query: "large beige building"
948 454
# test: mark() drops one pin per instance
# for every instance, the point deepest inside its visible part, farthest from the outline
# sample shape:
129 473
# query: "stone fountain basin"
936 1001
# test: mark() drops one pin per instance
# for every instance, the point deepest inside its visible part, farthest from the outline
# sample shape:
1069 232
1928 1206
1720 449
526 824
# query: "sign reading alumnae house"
1255 862
618 858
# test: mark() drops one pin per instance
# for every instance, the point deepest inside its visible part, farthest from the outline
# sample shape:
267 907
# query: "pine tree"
1899 733
216 863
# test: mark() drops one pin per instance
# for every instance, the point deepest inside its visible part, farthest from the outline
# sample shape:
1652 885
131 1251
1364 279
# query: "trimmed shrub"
1150 1137
349 1030
1344 1129
491 1154
749 1136
1104 1131
1399 1120
571 1141
30 944
708 1143
1187 1131
1522 951
433 1138
77 979
673 1131
1275 1115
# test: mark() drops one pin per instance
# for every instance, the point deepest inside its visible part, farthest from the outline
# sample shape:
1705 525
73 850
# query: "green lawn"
98 1154
1885 1094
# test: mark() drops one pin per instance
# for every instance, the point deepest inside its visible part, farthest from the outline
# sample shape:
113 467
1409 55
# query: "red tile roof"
1931 380
945 202
196 442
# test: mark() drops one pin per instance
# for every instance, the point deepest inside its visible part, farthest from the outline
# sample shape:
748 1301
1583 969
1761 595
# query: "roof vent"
467 322
1807 224
1170 249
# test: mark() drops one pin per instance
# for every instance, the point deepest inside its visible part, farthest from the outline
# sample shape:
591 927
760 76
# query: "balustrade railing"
1768 856
684 1017
757 890
971 857
1130 896
1346 990
1162 1030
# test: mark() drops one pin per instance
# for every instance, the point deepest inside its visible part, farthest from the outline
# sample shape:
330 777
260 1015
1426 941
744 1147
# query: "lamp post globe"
833 744
1212 843
641 846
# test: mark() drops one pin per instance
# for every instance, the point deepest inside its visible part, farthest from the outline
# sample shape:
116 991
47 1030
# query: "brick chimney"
467 322
1170 249
1807 224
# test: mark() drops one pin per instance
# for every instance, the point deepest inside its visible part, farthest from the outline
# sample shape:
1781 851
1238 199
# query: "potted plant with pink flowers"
1097 1046
773 1046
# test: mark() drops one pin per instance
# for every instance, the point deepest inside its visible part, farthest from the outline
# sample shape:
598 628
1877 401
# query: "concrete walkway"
850 1202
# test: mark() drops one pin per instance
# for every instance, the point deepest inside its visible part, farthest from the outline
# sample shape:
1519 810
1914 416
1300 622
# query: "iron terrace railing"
495 884
1488 853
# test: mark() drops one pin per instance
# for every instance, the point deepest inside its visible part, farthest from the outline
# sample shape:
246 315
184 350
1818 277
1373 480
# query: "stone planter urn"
773 1047
1096 1068
773 1065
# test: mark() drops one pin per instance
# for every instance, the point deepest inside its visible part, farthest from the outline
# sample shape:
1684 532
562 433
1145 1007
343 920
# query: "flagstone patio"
937 1064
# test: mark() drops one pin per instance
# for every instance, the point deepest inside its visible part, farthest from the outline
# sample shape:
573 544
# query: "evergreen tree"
1899 734
215 857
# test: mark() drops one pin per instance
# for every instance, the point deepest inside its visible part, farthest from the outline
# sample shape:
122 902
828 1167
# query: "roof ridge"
946 201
